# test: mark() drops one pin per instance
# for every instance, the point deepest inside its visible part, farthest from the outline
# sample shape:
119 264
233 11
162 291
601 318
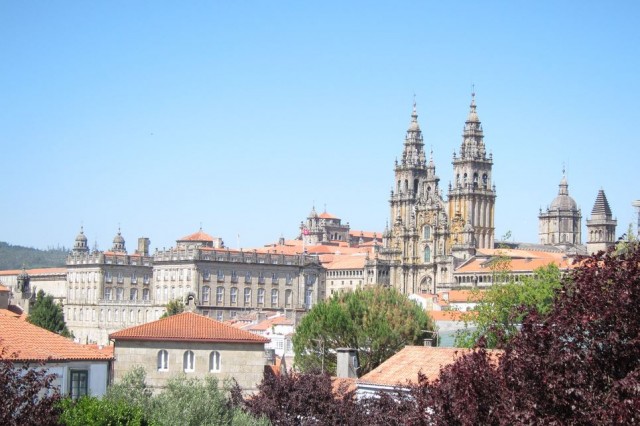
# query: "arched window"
205 294
475 180
188 361
427 254
484 180
214 361
163 360
274 297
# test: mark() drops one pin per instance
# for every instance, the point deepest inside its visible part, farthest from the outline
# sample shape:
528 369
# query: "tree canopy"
578 364
173 307
28 393
46 313
503 307
377 321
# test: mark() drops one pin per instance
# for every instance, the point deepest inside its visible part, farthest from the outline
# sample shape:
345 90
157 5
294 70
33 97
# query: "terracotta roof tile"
32 343
403 367
37 271
448 315
4 289
270 322
326 215
198 236
189 327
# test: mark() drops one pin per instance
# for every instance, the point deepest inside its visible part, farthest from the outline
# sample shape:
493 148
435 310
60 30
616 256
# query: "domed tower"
416 242
601 227
118 244
472 196
80 245
561 224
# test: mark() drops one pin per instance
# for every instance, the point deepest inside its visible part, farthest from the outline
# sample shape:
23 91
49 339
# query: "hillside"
14 257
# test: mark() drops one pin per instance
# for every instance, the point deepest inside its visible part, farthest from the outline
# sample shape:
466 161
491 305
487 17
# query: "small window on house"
188 361
214 361
79 383
234 295
163 360
205 294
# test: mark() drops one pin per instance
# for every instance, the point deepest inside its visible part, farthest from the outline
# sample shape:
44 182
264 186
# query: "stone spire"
601 226
413 153
473 137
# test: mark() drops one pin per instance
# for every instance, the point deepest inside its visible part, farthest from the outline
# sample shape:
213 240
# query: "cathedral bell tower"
416 242
472 196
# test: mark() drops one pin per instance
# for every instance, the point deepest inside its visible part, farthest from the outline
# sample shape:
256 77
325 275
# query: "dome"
81 238
563 201
118 239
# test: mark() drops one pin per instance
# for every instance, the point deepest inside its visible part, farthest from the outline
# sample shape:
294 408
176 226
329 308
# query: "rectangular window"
261 296
107 276
107 293
289 279
274 297
234 277
134 278
274 278
146 279
219 294
234 295
247 277
145 294
261 278
205 294
220 275
247 296
120 278
206 275
119 293
79 385
133 294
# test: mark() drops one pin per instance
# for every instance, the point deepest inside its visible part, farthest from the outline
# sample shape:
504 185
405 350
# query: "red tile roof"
403 367
32 343
270 322
4 288
197 236
188 327
326 215
37 271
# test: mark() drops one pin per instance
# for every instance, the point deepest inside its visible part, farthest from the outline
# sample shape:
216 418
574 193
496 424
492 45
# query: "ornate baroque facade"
429 235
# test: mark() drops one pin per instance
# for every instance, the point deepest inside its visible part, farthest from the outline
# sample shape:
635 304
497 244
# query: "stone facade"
243 362
429 235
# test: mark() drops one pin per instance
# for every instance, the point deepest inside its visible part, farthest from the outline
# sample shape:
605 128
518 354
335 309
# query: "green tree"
132 389
89 410
195 402
175 306
46 313
376 321
504 306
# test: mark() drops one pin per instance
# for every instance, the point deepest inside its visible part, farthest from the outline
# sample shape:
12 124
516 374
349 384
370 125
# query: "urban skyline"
160 118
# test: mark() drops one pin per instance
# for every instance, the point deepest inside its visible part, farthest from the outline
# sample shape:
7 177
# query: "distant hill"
14 257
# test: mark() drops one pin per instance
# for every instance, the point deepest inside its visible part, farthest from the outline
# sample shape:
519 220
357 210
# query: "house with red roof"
79 369
190 344
401 370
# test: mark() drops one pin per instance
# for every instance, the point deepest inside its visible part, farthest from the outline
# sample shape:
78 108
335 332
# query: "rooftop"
187 327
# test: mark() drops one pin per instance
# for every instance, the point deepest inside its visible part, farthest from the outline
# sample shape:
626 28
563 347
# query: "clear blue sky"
159 116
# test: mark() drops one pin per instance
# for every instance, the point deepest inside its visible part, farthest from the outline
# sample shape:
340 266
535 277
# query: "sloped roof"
37 271
601 206
187 327
270 322
32 343
326 215
4 289
198 236
519 260
403 367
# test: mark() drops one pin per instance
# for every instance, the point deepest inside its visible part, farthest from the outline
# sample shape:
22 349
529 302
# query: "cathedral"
428 235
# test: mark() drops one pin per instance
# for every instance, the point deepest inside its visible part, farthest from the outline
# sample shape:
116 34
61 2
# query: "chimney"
347 363
143 246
